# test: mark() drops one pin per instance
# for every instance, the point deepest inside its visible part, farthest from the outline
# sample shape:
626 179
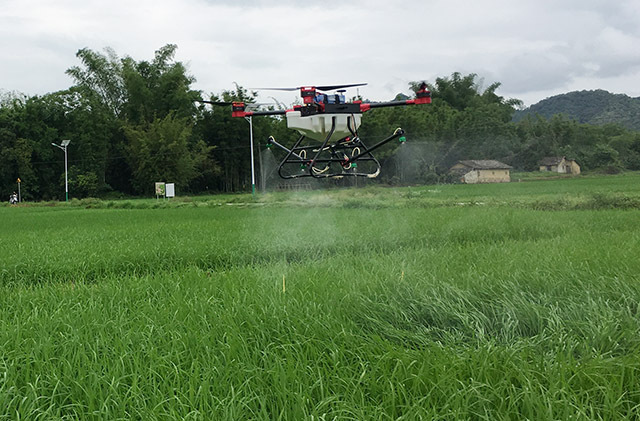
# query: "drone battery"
329 99
349 108
334 99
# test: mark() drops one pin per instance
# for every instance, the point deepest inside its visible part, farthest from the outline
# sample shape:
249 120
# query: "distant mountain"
592 107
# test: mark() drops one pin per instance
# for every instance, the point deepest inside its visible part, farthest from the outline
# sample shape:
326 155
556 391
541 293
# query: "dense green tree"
90 127
159 151
101 75
16 156
28 127
603 156
155 89
145 98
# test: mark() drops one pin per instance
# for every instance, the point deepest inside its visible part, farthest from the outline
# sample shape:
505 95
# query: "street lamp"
253 175
63 145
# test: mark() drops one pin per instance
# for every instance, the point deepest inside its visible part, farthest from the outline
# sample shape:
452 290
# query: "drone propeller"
332 87
215 102
320 88
248 104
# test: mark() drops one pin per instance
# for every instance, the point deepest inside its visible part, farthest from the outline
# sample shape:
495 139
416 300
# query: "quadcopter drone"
329 145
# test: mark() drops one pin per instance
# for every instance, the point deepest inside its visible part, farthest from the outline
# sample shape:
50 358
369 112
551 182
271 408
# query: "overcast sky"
535 48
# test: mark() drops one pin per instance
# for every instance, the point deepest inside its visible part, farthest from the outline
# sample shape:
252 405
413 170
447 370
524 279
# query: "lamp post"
63 145
253 174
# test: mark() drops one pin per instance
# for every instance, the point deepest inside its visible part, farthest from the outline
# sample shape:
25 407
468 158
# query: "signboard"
171 189
160 189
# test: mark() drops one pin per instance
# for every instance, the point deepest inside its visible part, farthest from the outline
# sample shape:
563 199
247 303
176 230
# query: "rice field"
497 302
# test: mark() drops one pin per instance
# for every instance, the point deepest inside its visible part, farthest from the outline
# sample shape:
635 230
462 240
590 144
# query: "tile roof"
485 164
551 160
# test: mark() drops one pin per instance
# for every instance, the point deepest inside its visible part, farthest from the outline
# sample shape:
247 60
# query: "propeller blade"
320 88
333 87
276 89
215 102
258 104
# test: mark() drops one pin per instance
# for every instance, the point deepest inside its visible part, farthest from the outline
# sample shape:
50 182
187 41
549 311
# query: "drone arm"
368 106
388 104
238 109
422 97
259 113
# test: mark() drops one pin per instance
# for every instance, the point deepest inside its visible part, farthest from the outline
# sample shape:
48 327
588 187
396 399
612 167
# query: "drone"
329 145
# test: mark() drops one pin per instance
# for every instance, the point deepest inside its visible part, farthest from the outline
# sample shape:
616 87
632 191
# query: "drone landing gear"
348 156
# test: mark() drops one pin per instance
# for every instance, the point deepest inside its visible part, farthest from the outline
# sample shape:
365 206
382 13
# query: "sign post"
160 189
19 197
170 190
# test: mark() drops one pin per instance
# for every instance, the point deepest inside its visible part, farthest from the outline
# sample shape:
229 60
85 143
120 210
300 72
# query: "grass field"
515 301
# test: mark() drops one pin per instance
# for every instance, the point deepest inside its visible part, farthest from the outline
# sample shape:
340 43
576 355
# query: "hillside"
593 107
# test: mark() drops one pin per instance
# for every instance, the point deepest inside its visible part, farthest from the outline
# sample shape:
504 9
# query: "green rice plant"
304 308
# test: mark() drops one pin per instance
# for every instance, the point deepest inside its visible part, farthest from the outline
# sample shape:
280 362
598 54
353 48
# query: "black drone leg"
367 151
364 155
344 152
290 153
321 149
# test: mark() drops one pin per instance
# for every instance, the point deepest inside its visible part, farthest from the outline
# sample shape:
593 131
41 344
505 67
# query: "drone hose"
317 171
375 174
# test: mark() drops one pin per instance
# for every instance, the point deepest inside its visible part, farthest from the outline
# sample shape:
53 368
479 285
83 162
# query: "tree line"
593 107
132 123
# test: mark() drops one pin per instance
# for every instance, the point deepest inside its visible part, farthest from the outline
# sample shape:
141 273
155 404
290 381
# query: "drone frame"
340 147
343 155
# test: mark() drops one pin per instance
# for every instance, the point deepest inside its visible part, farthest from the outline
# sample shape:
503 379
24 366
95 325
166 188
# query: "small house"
482 171
559 164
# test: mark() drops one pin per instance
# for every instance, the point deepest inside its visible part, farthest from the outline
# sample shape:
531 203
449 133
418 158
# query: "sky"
534 48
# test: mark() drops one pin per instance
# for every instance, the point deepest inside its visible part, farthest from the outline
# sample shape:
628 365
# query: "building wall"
564 167
471 177
575 168
560 168
487 176
494 176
